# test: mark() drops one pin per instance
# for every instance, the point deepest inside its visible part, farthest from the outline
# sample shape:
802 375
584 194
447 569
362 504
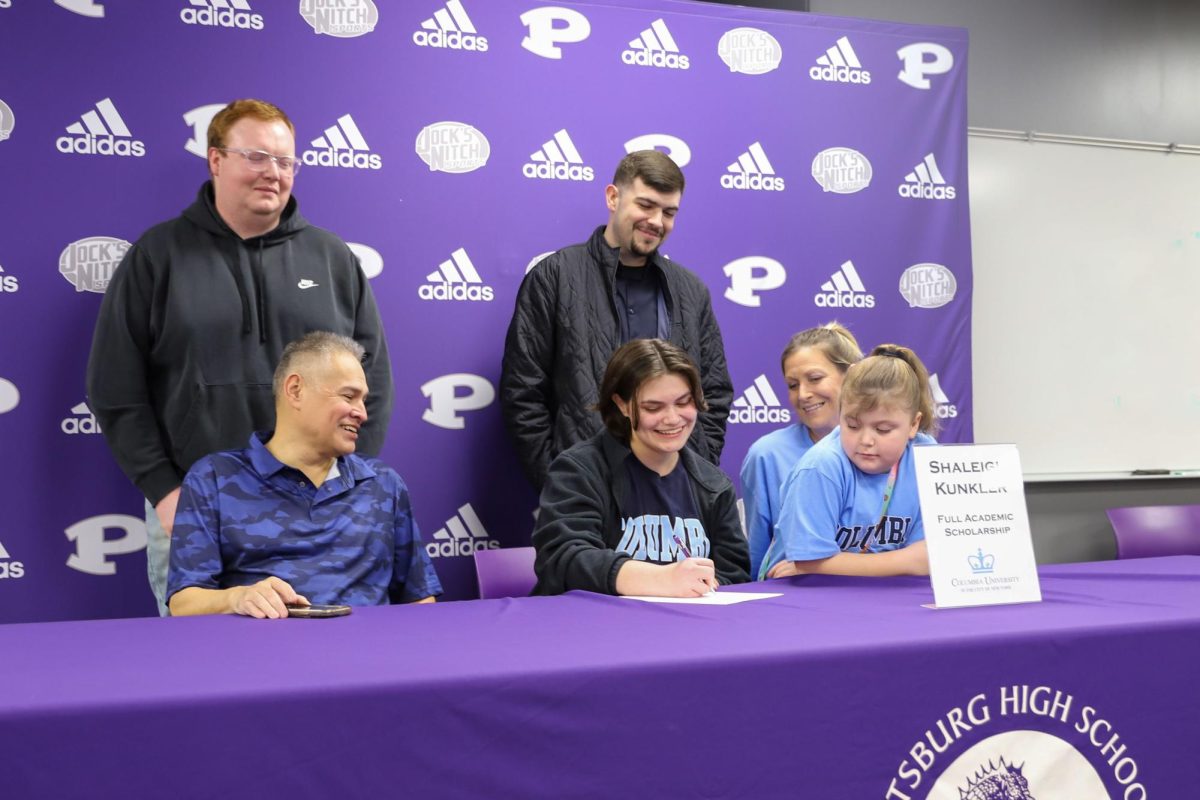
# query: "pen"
682 547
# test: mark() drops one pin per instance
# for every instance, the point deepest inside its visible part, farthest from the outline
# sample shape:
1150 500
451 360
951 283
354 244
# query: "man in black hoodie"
201 307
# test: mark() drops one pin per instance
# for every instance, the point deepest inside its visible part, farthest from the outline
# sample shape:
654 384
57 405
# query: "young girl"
814 363
630 511
850 506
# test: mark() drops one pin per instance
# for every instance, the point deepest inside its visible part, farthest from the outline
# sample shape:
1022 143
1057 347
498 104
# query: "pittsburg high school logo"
1075 752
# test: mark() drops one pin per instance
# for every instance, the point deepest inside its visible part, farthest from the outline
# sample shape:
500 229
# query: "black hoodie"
194 322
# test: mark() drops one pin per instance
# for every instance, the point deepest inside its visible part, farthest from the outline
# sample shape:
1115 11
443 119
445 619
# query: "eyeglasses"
258 160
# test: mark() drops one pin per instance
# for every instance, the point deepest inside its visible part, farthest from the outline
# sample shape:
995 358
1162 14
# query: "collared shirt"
243 516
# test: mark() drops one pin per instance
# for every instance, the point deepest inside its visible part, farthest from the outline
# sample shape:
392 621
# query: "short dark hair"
634 363
656 170
316 343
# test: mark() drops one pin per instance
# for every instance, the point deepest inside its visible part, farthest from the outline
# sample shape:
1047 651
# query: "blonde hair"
892 375
833 340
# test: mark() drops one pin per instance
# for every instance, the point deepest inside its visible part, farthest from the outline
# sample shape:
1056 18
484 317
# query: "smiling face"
333 406
874 440
663 421
814 384
639 219
250 202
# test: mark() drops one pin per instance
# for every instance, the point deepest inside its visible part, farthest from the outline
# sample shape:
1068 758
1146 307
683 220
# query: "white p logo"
200 118
916 68
91 547
368 258
544 37
445 402
677 149
753 274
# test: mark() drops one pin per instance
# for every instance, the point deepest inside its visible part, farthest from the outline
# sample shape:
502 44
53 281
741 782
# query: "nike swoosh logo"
307 284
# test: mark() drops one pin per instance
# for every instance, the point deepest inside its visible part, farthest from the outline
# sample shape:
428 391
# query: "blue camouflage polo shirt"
244 516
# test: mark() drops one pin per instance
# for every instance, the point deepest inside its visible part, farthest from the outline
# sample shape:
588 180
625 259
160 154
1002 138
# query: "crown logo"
1005 781
982 563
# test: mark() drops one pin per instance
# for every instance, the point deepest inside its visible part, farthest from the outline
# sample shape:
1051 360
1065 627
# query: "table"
839 688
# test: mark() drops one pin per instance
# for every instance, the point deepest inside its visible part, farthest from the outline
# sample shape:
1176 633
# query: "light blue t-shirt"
830 506
769 461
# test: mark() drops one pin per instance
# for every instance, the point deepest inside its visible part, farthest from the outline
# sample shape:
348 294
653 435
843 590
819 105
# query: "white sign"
976 525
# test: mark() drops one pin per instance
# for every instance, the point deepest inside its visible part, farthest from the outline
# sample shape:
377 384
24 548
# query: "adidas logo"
89 264
840 64
752 170
759 403
451 28
10 396
941 403
841 170
462 535
83 421
926 181
455 279
341 19
8 568
101 134
655 48
342 145
928 285
223 14
558 160
844 289
8 283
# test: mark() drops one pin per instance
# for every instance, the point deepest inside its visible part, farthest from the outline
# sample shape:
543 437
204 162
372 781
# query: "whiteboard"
1086 319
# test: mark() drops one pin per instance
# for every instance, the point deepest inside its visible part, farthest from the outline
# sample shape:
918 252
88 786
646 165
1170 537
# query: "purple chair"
507 572
1146 531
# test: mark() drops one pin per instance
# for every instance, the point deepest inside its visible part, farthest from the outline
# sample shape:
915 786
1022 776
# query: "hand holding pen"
695 569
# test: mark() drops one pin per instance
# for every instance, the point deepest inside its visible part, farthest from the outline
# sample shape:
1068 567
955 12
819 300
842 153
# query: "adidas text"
945 411
224 18
739 415
844 300
455 291
100 146
459 547
11 569
76 425
926 191
558 171
655 58
342 158
9 283
840 74
451 40
767 183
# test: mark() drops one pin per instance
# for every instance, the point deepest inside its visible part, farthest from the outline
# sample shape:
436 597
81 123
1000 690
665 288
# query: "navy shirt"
244 516
656 509
637 297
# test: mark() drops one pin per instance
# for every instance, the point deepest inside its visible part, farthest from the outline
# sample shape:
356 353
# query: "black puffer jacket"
563 331
579 521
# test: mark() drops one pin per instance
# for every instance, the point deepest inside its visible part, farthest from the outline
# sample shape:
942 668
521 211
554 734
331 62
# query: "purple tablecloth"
840 688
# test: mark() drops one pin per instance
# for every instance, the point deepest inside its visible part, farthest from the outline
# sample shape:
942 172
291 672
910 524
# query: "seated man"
297 517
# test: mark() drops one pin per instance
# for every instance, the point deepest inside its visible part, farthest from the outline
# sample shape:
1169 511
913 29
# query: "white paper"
710 599
976 525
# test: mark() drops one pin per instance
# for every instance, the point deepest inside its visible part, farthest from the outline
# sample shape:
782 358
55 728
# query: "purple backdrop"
452 143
